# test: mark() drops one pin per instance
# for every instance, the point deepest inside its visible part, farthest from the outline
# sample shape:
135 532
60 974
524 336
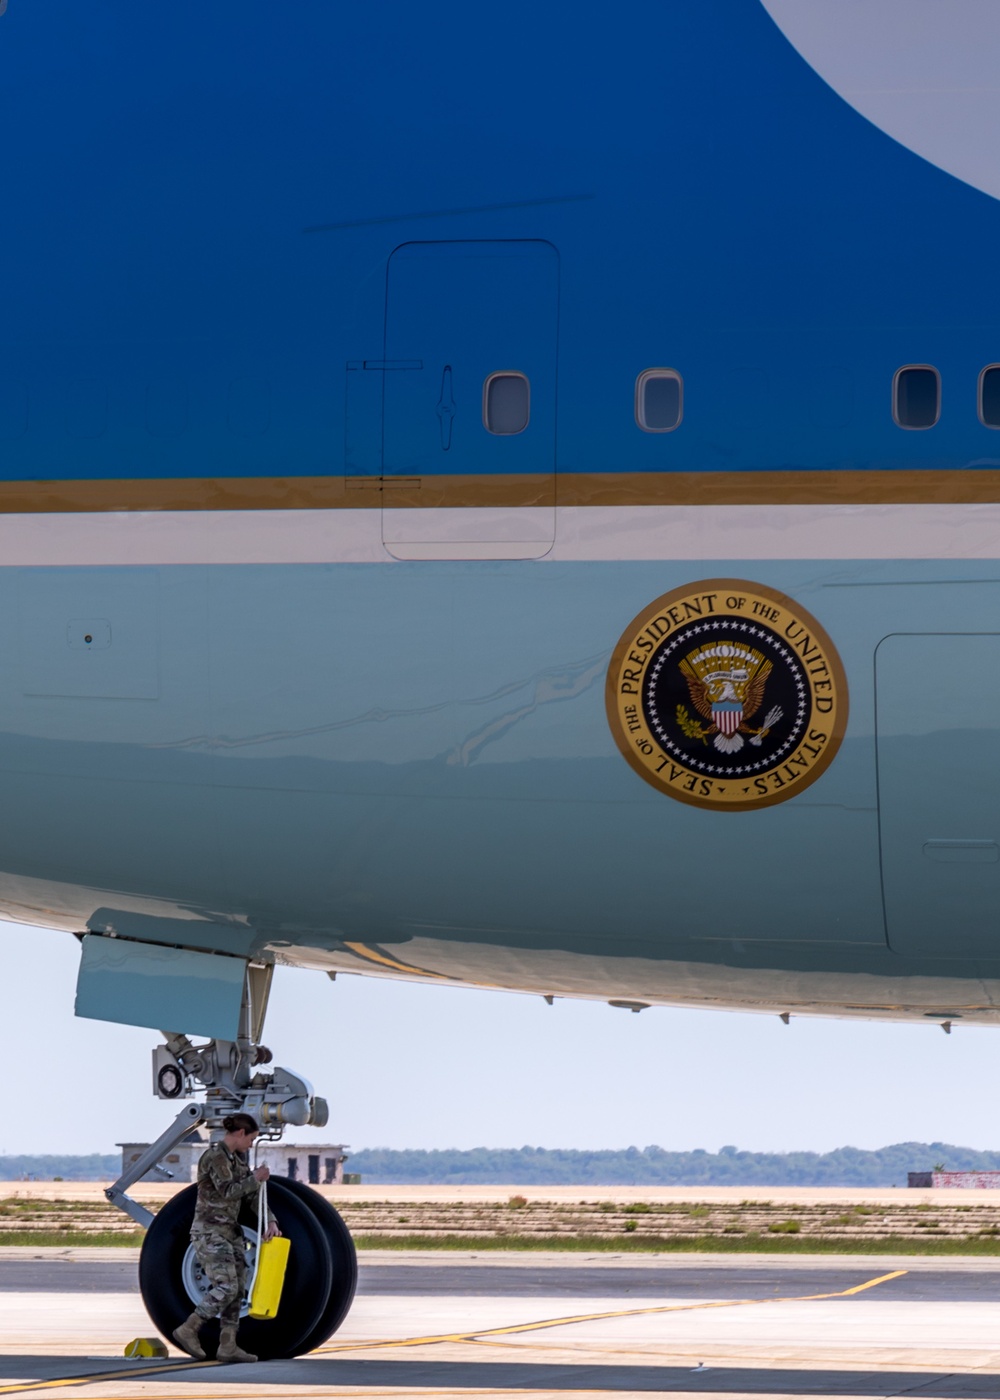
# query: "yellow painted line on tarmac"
60 1382
860 1287
258 1392
521 1327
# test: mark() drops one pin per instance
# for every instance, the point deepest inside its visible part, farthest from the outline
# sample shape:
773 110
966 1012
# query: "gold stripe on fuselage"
904 487
368 953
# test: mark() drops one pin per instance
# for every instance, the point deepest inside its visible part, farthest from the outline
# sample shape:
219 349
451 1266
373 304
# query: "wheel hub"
195 1281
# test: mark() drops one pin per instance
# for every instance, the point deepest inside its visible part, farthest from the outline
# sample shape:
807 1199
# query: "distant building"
970 1181
318 1164
180 1164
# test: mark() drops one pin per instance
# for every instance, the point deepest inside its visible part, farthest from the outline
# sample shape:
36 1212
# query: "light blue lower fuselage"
414 760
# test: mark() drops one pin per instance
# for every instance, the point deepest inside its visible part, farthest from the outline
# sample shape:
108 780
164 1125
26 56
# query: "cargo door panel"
939 792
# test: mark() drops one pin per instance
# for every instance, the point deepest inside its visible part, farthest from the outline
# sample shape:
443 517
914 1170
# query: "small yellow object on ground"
270 1279
147 1346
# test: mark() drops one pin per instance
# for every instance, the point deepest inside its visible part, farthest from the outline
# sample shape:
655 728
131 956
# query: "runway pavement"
445 1275
447 1324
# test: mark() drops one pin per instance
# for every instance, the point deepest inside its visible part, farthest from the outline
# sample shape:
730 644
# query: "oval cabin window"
916 396
506 403
989 396
659 400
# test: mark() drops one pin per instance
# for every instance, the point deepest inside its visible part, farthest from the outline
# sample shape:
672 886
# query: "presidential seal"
727 695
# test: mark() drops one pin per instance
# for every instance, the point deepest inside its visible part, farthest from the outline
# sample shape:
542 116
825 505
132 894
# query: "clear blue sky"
413 1066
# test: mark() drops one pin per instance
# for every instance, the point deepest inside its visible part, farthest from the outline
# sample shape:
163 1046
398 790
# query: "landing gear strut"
322 1268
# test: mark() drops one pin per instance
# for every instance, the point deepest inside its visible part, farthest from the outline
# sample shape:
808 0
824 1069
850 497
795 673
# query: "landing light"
170 1082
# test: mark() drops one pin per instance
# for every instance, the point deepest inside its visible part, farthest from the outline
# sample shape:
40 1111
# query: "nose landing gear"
322 1268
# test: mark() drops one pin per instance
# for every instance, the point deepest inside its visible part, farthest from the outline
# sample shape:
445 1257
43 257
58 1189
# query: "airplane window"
989 396
506 403
916 396
659 400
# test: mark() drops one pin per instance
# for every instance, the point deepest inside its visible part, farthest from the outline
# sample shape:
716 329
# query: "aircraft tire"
305 1298
345 1263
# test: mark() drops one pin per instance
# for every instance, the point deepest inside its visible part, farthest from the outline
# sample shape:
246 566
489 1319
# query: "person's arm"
228 1186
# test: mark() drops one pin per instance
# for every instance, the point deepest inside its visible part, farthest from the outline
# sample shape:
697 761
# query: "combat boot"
186 1336
228 1350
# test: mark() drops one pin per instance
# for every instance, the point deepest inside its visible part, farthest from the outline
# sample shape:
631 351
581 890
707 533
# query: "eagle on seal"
727 698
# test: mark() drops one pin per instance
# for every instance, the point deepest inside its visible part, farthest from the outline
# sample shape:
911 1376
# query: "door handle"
446 409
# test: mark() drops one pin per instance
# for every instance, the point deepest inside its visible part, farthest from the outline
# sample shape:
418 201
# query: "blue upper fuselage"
201 203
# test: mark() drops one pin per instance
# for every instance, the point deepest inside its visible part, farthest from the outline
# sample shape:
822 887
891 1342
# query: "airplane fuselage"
383 417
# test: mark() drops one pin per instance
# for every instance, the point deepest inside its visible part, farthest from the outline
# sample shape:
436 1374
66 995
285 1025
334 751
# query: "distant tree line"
629 1166
95 1166
655 1166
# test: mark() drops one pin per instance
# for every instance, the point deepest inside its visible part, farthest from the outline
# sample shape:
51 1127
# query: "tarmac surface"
438 1275
566 1325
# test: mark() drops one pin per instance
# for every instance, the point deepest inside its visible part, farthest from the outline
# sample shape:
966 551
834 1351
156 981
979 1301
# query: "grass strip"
586 1244
688 1244
73 1239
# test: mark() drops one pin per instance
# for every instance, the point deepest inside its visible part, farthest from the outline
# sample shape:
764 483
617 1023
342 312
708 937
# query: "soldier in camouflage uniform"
225 1182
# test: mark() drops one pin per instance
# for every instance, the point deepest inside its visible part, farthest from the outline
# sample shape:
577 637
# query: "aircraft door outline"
461 314
939 807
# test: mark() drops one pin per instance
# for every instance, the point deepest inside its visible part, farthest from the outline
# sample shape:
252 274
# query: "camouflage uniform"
225 1181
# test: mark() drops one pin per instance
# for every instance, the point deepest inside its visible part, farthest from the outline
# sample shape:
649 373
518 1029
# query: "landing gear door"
939 802
469 402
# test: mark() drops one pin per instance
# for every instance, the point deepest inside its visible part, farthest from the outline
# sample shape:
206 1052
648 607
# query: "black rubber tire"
345 1263
304 1299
